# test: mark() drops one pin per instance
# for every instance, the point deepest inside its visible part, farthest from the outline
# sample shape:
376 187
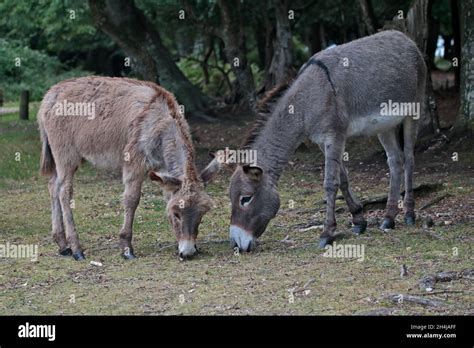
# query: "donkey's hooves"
323 241
65 252
128 255
387 224
410 220
78 256
360 227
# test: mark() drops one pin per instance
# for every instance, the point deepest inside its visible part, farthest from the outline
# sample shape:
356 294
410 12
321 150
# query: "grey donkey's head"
255 201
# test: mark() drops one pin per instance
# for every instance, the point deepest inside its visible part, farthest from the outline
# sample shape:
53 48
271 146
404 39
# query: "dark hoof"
78 256
65 252
410 220
323 241
360 227
128 255
387 224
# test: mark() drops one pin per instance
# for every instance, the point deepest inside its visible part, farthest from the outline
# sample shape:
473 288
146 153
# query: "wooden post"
24 99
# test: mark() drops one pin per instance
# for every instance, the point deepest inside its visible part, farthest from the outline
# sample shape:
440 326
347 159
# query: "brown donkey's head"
187 204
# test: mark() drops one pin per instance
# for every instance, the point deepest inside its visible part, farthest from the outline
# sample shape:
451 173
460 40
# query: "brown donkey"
122 125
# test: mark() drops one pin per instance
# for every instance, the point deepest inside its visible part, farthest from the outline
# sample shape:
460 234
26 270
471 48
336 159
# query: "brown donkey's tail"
47 165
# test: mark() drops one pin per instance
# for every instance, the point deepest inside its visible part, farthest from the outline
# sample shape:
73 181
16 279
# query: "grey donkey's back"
365 73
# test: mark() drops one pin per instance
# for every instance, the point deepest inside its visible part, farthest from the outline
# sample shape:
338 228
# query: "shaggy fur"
137 129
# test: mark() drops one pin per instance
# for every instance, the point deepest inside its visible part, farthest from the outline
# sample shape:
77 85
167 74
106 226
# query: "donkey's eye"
177 216
245 200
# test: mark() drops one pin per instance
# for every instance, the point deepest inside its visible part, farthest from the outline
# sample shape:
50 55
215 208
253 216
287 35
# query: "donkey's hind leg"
356 209
394 153
56 217
65 177
409 136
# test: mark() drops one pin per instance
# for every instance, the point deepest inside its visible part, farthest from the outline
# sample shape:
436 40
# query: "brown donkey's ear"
210 172
221 156
253 172
169 183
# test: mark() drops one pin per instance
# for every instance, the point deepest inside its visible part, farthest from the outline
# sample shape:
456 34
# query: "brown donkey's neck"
178 149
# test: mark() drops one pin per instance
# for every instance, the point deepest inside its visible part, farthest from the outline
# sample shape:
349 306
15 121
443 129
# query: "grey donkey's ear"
253 172
210 172
169 183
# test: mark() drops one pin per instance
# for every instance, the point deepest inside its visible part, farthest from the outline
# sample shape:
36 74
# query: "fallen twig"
315 227
434 201
400 298
438 292
370 201
428 282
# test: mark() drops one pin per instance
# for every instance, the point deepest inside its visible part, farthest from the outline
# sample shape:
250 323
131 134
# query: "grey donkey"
371 86
130 126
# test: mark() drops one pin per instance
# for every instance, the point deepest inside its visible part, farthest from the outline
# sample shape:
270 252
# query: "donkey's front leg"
333 150
131 198
355 207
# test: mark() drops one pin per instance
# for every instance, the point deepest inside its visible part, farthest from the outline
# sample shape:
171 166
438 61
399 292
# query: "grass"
217 281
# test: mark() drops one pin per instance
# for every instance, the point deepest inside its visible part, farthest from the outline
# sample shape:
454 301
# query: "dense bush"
22 68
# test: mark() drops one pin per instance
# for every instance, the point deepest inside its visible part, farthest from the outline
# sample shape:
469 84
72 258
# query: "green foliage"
53 26
53 36
22 68
442 64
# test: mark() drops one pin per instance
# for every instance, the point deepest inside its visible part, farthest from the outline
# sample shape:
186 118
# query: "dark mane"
267 103
265 107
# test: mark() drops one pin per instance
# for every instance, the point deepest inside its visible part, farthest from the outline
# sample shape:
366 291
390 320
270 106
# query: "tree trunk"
467 65
24 104
457 40
368 16
280 69
315 37
433 34
418 28
260 37
233 36
135 34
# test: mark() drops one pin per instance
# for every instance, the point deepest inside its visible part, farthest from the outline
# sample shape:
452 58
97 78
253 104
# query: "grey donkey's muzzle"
241 239
186 248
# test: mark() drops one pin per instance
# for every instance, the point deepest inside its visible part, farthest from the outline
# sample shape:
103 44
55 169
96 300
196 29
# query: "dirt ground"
287 274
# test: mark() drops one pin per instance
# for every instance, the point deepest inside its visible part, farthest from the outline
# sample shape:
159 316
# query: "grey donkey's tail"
47 165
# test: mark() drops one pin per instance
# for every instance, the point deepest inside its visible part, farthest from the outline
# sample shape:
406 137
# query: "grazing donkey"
122 125
356 89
